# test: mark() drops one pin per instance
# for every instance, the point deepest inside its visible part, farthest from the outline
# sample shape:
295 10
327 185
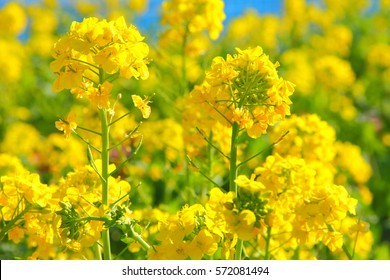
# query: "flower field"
265 136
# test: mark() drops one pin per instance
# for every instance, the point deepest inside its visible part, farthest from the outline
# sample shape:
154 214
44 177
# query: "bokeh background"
336 52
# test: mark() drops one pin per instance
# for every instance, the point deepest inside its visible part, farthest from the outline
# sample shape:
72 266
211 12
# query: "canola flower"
299 203
187 30
13 19
88 59
193 16
245 89
93 51
242 93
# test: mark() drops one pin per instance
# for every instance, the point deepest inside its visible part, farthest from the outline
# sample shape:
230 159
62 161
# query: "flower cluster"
195 15
302 207
13 19
305 203
314 140
191 240
93 49
80 196
201 230
26 208
59 220
223 170
245 89
187 20
309 137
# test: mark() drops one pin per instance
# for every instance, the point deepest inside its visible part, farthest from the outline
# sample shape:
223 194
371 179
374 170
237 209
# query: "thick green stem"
104 178
233 176
97 251
105 136
139 239
233 159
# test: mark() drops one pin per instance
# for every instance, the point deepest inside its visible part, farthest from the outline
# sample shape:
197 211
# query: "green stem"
97 252
118 119
105 137
264 150
89 130
208 177
233 159
233 176
139 239
13 222
345 249
86 142
267 243
210 143
239 245
104 178
184 87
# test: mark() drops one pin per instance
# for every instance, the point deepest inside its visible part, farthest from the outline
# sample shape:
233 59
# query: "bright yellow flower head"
93 50
246 89
309 137
194 16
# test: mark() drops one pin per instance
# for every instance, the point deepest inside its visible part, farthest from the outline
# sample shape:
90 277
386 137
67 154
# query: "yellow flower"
334 73
359 227
138 6
100 96
13 19
68 125
309 137
249 184
11 60
245 89
350 158
194 16
334 241
228 247
244 226
94 47
16 234
204 243
142 105
243 30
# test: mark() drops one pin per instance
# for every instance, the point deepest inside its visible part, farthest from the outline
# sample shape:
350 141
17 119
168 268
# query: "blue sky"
233 8
149 19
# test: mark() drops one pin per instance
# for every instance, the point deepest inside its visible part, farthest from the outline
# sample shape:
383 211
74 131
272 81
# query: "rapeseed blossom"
245 89
186 20
294 189
68 125
13 19
94 49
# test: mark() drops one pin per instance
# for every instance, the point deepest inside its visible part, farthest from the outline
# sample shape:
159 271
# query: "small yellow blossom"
249 183
68 125
142 105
